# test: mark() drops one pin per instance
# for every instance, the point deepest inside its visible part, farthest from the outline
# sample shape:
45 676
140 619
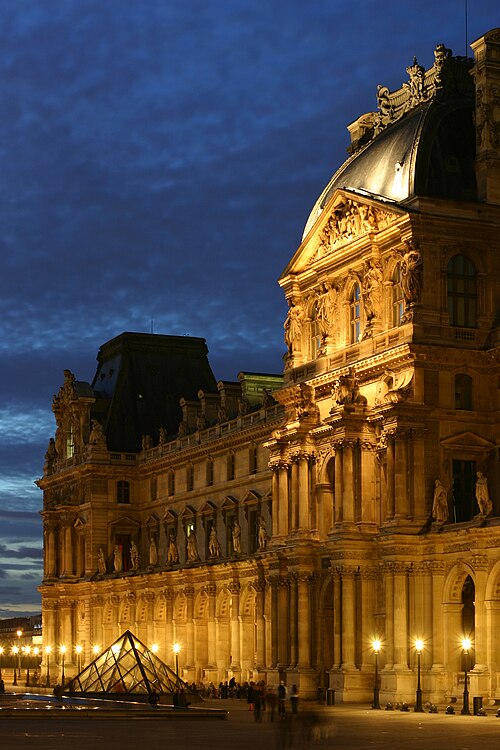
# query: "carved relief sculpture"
345 390
371 290
101 562
153 552
440 510
97 436
483 495
293 326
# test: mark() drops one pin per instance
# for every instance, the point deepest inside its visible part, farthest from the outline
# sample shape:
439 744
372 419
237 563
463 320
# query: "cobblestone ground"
336 727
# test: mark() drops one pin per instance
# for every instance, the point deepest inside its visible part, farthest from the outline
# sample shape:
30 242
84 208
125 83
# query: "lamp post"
466 644
27 653
62 649
48 650
376 689
176 648
19 634
15 651
419 645
78 650
1 654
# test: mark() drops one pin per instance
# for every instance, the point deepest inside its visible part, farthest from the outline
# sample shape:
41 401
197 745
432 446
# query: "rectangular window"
464 491
122 492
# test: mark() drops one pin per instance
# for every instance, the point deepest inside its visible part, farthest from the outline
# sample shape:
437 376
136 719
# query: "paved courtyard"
336 727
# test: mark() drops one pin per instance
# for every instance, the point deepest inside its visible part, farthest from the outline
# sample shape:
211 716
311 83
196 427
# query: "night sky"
159 159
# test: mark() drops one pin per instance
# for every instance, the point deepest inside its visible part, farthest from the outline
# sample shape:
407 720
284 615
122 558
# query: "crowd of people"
259 696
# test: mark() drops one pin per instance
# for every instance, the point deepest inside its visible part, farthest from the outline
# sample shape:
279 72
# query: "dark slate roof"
139 381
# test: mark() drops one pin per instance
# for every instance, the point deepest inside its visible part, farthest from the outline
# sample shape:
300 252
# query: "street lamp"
79 650
27 653
466 644
96 650
155 648
176 648
62 649
48 650
19 634
15 651
419 645
1 654
376 689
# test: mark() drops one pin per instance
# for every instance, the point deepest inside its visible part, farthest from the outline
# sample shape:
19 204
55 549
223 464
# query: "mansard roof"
421 142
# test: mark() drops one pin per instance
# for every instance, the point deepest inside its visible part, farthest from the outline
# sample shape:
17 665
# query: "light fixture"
419 647
376 689
466 644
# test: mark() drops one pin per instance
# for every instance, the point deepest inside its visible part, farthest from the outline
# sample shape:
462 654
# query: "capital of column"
188 592
234 587
114 599
210 589
97 601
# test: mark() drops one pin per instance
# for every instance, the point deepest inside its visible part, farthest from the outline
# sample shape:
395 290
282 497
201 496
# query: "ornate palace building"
276 526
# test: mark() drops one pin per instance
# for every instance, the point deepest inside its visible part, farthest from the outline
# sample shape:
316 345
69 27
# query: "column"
401 475
480 563
234 588
368 503
50 554
68 546
337 620
294 616
348 621
348 484
294 493
304 621
274 621
400 617
96 636
50 609
260 589
283 502
389 615
283 620
325 505
368 578
419 509
169 627
275 496
190 649
338 483
304 514
437 569
211 590
390 477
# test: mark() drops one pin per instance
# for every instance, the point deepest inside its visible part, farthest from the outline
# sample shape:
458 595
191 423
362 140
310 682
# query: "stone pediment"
169 516
229 503
347 217
468 440
125 522
208 509
251 497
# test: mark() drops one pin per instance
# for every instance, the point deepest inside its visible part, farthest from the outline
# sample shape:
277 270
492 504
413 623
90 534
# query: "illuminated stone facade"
289 522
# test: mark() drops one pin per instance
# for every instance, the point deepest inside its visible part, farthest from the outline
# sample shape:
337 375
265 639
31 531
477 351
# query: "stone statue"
134 556
262 534
222 415
482 495
411 272
117 559
162 436
268 398
236 534
243 406
213 543
201 422
50 457
153 552
440 510
101 562
345 390
182 429
192 548
147 442
293 326
172 553
97 436
306 403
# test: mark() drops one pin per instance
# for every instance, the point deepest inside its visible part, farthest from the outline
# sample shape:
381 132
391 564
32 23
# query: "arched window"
122 492
398 300
463 391
462 292
355 314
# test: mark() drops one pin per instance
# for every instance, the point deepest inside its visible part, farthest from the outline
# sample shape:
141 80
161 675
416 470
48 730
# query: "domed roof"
427 149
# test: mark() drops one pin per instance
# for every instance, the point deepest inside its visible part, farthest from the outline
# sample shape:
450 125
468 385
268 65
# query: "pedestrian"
294 698
282 693
251 696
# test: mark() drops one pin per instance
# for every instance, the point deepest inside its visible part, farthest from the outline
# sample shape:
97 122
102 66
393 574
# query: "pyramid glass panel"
126 667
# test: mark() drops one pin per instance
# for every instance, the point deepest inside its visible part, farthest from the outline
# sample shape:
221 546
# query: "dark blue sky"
159 161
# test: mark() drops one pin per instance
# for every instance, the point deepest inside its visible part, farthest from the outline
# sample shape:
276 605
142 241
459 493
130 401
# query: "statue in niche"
326 309
192 547
213 543
117 559
411 273
153 552
293 326
172 553
262 534
50 457
440 510
371 290
134 556
97 436
236 535
483 495
162 436
101 562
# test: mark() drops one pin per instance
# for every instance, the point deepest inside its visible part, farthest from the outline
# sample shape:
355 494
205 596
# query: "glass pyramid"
127 667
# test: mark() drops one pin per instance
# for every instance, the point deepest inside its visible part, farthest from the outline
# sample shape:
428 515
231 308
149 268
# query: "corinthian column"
234 588
304 511
304 621
348 621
